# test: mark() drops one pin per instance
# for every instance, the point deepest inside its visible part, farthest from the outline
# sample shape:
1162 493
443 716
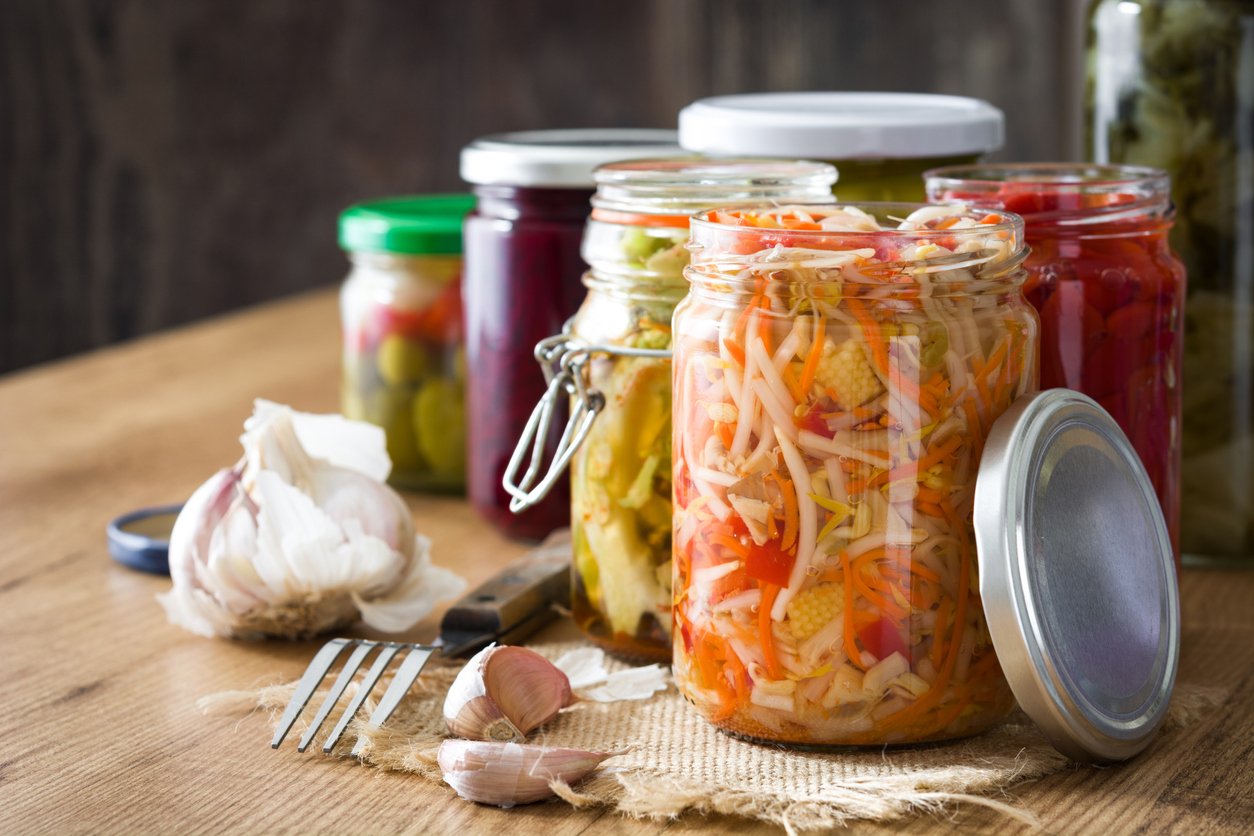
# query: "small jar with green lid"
880 142
401 310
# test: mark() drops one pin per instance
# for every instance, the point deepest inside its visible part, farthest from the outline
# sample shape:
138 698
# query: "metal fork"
321 665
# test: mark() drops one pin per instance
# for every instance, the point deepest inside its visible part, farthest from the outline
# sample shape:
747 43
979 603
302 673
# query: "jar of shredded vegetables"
618 346
404 363
836 372
1109 290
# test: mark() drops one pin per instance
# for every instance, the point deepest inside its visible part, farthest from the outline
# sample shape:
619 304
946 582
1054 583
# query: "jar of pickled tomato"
1109 289
880 142
836 373
615 358
401 309
522 282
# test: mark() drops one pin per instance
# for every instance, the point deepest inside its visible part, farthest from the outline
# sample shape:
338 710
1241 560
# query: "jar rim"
684 185
1065 194
931 244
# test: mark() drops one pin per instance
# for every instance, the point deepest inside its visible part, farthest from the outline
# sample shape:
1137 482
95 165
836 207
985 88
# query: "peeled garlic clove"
506 774
503 693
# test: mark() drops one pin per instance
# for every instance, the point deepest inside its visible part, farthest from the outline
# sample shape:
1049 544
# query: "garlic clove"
506 773
503 693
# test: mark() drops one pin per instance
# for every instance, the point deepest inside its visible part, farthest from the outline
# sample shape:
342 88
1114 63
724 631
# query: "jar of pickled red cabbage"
522 282
836 373
1109 289
617 347
401 311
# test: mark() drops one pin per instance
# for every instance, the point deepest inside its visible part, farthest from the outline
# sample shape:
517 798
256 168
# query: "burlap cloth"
675 762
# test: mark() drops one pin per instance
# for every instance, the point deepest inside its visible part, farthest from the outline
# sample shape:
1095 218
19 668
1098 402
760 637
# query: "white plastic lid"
841 126
559 159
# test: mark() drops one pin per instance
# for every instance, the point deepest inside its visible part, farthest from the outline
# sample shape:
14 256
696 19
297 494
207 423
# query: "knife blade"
512 604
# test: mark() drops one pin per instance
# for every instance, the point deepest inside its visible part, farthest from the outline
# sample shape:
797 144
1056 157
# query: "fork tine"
386 652
359 654
405 676
309 681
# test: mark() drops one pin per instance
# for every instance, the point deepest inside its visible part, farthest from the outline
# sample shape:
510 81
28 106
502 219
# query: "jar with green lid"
1171 85
614 360
880 142
401 311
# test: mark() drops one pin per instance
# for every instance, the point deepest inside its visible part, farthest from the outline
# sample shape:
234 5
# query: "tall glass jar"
522 282
1171 84
617 347
1109 290
836 373
401 310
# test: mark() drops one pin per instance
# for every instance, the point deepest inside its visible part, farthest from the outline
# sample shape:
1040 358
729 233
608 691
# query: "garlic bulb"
301 536
506 774
503 693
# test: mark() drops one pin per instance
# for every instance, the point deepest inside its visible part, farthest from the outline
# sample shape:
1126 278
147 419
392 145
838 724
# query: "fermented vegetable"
836 372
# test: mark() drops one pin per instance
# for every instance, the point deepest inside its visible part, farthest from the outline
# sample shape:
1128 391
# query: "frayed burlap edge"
410 740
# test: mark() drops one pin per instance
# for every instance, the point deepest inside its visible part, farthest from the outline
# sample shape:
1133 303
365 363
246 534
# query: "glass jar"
618 349
404 364
1171 85
835 375
1109 291
880 142
522 282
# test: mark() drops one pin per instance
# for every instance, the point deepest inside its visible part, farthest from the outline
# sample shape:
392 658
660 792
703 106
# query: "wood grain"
97 692
160 162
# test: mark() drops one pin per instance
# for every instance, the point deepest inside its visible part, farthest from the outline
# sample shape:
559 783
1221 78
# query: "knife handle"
519 598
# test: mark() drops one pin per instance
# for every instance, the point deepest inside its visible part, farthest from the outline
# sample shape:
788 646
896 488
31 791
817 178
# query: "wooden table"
99 731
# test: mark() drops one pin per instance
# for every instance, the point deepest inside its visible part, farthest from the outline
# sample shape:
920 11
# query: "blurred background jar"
1171 84
881 143
618 345
401 310
522 283
1108 288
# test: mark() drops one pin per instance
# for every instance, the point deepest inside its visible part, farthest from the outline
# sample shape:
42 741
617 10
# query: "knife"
512 604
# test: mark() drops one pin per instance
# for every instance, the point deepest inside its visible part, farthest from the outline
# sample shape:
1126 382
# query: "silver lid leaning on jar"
1077 576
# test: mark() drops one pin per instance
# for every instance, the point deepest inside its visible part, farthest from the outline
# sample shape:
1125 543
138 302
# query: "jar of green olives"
401 309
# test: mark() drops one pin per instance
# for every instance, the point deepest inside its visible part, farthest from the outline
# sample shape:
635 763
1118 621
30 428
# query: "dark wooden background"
163 161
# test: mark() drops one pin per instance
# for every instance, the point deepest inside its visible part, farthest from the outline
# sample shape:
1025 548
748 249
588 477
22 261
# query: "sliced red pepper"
770 563
881 638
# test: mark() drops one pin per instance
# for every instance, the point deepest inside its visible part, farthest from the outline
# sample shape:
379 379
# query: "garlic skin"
507 774
503 693
301 537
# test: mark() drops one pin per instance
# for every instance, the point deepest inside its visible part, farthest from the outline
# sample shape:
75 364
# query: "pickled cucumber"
439 419
390 409
401 362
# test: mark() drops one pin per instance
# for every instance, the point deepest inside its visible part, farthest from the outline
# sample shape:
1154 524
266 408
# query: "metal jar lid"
1077 576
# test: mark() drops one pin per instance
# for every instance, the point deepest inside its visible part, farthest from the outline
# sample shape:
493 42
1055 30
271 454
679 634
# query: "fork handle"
514 602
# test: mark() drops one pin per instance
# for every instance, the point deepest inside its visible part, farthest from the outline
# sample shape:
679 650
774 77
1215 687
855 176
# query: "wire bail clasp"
564 359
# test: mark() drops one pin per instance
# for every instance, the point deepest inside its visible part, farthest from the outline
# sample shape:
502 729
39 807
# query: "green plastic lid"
419 225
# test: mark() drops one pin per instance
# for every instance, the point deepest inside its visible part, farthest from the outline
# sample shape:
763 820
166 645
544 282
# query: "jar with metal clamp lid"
613 361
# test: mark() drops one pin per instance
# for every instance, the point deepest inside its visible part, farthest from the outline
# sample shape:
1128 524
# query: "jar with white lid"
522 269
614 358
880 142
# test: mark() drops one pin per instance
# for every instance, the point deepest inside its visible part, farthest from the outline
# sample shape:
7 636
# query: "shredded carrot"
737 353
791 513
938 635
871 334
812 357
851 646
794 388
769 593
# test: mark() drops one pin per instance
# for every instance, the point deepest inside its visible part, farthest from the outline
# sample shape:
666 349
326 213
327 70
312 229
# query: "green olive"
390 409
440 423
400 361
